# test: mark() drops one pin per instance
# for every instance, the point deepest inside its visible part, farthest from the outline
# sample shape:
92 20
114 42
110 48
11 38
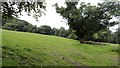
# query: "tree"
18 25
116 37
62 32
72 35
34 29
93 38
9 10
87 19
9 26
56 33
104 35
45 29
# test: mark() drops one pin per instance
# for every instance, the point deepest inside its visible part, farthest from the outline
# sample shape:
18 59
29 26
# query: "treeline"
46 30
23 26
106 36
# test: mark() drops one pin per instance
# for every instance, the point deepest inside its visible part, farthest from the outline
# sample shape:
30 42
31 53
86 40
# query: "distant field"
28 49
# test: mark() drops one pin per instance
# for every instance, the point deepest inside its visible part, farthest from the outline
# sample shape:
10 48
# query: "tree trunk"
82 40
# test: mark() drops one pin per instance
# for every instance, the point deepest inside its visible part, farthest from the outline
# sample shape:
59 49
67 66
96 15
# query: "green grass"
29 49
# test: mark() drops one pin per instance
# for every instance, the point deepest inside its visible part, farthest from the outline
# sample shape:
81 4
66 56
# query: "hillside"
20 48
14 20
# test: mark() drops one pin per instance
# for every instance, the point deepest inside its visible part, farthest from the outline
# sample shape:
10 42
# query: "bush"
9 26
116 50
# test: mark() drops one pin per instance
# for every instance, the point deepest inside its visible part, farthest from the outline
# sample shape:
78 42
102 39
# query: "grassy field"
29 49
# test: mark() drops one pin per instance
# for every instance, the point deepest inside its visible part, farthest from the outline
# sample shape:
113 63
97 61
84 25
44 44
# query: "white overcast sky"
52 18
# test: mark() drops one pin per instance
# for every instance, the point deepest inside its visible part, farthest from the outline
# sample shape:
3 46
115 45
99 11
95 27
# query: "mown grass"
29 49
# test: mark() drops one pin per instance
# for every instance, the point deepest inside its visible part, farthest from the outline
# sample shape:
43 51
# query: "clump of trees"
101 36
23 26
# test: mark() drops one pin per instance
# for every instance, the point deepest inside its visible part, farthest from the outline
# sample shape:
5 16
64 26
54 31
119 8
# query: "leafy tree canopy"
89 19
14 8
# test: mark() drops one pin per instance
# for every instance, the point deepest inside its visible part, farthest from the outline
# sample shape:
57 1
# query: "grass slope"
20 48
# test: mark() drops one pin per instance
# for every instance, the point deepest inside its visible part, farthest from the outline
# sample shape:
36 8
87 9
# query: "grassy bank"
20 48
